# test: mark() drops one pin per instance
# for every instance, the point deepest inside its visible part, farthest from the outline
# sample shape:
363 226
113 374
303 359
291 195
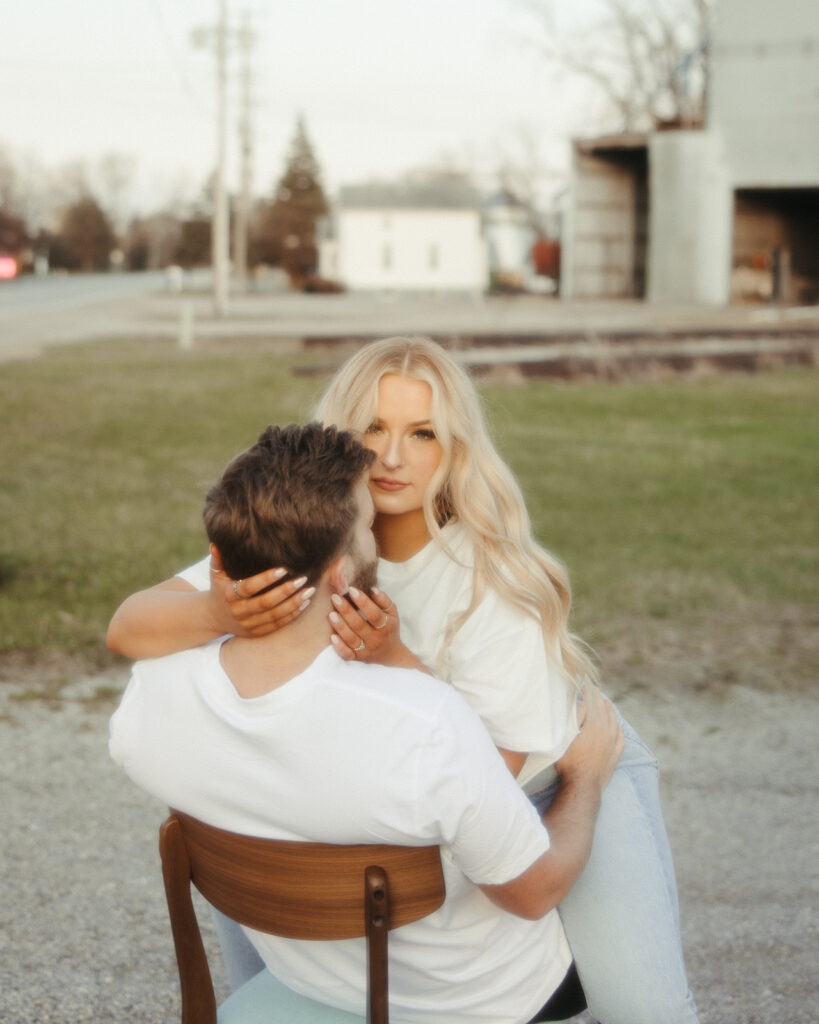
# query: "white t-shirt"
496 660
353 753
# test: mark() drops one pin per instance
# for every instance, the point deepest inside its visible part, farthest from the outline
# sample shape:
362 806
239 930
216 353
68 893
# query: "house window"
433 257
386 257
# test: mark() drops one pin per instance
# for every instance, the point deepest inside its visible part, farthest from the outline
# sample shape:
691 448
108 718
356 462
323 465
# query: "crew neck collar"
412 565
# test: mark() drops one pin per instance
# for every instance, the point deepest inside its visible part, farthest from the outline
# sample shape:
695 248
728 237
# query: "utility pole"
216 38
242 221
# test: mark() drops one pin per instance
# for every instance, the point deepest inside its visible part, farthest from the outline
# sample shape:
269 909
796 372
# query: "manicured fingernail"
278 573
308 594
335 618
337 601
374 590
334 640
356 593
305 604
299 582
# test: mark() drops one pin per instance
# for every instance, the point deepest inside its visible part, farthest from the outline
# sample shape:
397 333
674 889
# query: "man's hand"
584 770
593 753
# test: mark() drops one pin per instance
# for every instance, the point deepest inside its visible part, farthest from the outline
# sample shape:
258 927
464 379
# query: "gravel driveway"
84 927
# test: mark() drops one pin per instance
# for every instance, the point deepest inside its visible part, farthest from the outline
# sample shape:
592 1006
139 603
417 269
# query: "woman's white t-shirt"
497 659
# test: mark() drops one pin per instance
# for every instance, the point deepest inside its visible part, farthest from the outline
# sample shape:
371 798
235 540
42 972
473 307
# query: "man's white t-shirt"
497 660
354 753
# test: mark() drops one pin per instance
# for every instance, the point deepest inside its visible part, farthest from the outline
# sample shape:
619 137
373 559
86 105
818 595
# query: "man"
280 737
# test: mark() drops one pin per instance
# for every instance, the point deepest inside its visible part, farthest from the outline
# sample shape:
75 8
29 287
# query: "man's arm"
584 770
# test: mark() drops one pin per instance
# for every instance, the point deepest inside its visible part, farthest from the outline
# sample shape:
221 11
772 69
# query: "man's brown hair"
288 500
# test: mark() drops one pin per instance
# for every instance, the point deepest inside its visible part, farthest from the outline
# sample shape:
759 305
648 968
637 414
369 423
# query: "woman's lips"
384 484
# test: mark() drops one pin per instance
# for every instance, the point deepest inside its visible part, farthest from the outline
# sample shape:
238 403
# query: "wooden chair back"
295 890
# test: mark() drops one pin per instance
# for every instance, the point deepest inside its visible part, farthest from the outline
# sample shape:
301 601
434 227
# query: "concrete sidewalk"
521 336
361 315
352 315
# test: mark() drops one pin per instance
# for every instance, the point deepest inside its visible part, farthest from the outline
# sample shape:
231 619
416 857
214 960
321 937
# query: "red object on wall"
546 257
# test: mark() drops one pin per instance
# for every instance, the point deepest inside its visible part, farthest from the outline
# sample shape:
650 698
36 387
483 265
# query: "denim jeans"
621 917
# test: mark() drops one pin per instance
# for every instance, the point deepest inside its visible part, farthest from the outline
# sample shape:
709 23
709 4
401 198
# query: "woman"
484 607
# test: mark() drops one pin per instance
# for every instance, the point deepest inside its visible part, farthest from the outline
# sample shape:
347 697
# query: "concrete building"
425 237
720 214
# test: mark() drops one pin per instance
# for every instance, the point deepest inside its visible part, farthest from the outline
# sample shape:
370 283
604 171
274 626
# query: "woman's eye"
425 435
373 428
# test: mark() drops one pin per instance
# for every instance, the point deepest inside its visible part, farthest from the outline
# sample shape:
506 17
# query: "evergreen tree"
285 234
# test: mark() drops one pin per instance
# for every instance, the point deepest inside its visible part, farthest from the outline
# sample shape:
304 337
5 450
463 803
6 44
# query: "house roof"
437 195
603 143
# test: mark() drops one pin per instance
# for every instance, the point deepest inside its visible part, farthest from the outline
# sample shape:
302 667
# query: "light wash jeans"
621 916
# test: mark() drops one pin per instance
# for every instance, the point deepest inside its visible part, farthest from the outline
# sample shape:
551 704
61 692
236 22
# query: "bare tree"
86 238
648 59
523 171
8 182
114 175
26 189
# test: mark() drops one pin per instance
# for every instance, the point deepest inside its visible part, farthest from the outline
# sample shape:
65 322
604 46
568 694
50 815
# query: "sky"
384 86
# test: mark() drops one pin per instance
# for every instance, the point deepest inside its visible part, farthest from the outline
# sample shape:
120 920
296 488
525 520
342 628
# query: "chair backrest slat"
307 890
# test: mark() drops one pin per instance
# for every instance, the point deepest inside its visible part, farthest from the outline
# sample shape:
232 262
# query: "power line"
176 60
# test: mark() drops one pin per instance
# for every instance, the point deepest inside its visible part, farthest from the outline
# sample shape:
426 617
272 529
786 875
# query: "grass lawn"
685 510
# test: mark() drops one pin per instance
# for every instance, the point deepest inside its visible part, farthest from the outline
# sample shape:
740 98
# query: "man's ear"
215 559
337 575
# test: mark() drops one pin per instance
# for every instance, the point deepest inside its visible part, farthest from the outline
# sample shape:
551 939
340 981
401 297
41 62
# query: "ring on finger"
236 587
384 623
362 646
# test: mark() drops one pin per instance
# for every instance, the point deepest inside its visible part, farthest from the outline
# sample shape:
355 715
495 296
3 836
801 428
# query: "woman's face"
407 450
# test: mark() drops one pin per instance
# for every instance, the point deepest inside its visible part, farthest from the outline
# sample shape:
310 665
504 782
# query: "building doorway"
775 250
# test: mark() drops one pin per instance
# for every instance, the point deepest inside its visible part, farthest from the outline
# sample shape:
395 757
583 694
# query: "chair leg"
377 910
198 999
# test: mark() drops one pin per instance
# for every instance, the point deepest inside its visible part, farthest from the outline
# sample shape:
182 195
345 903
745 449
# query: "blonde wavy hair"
473 485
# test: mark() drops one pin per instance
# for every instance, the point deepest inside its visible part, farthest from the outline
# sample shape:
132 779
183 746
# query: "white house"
409 237
722 213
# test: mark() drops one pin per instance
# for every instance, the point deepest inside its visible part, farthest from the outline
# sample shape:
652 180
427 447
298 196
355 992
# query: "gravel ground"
84 927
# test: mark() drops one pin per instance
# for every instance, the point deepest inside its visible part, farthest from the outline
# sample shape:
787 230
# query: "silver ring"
384 623
236 587
362 646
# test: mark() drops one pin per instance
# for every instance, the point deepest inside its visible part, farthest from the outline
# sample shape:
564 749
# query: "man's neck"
402 536
256 666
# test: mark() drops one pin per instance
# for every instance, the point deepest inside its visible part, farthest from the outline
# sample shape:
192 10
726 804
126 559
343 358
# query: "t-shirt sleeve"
123 729
497 662
492 831
198 574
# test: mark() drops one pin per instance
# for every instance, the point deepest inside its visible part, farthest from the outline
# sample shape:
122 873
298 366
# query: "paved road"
39 311
57 293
